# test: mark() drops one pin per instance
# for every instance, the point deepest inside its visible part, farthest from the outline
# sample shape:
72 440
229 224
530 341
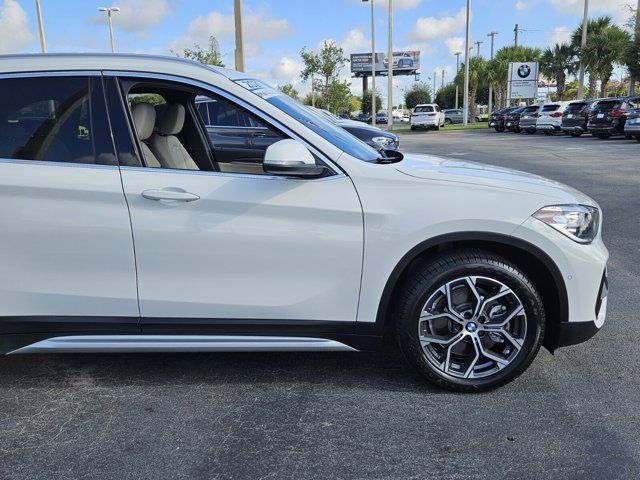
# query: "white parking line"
459 154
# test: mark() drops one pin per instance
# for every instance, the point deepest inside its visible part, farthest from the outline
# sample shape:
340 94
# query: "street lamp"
583 43
465 103
373 64
110 11
43 41
492 35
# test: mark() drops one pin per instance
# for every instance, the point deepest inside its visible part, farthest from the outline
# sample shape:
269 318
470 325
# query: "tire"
517 130
531 131
490 273
499 129
448 121
549 133
437 128
603 136
576 134
413 129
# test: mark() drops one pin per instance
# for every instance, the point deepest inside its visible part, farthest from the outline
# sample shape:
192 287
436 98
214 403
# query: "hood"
354 123
474 173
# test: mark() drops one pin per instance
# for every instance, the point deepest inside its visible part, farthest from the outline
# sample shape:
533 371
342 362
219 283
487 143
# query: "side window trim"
242 103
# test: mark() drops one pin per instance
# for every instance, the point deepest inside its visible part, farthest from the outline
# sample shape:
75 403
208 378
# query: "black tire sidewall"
408 323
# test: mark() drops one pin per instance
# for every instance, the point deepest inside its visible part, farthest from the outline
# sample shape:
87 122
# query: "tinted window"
531 109
576 107
223 114
550 108
55 119
423 109
607 106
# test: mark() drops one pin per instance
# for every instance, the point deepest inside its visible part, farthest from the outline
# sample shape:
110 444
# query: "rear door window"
423 109
607 106
550 108
575 107
55 119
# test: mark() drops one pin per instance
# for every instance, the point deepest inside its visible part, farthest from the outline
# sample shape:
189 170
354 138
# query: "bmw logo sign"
524 71
471 327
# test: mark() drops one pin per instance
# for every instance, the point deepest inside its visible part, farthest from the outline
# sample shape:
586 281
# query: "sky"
276 30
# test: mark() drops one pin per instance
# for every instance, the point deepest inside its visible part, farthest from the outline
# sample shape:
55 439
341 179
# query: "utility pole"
237 10
43 41
373 64
517 31
435 79
390 70
585 22
110 11
442 79
632 79
465 103
457 54
492 35
478 43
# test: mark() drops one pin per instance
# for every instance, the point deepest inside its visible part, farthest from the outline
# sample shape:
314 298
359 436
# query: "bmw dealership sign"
523 80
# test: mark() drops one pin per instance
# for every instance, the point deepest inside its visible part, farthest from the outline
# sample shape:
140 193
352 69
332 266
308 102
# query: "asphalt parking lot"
269 416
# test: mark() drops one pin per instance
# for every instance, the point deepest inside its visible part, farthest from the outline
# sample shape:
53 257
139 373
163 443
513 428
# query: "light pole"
435 79
585 22
43 41
110 11
390 70
478 43
442 86
237 13
492 35
457 54
632 79
465 103
373 63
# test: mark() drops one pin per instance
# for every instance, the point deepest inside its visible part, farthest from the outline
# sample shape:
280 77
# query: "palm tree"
603 51
556 62
477 79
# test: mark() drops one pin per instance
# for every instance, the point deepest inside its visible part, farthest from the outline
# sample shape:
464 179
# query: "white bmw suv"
126 228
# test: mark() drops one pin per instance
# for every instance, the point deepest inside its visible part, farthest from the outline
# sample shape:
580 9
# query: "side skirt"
180 343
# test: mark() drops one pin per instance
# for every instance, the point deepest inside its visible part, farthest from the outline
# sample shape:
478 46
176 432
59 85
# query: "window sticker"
259 88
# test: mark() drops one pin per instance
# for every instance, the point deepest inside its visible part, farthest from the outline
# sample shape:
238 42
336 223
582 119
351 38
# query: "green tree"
322 67
289 89
556 62
478 80
632 52
446 97
366 101
337 97
603 52
208 56
417 94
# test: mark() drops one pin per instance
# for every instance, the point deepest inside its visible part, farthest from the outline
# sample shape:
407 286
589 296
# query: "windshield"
317 122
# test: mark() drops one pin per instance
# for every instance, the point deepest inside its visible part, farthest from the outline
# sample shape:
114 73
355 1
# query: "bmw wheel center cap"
471 327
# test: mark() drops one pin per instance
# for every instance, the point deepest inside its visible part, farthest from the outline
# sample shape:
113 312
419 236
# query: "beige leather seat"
144 118
166 146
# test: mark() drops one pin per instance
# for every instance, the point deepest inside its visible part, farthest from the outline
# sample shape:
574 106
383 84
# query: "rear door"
605 111
66 248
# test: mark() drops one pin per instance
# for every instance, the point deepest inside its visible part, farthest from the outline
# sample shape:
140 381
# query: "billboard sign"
404 63
523 80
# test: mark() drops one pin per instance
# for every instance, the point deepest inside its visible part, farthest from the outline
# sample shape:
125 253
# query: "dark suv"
512 120
529 119
608 117
576 117
497 119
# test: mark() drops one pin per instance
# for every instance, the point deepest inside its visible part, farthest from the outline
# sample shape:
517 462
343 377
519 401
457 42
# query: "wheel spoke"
449 304
504 291
492 326
474 290
474 360
426 339
517 343
501 361
447 361
429 317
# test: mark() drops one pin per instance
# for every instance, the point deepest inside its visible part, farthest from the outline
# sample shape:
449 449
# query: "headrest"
172 121
144 118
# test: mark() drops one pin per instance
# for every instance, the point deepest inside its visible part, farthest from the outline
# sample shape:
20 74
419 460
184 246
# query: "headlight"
578 222
384 141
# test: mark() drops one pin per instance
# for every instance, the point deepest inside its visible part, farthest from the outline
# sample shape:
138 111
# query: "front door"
217 248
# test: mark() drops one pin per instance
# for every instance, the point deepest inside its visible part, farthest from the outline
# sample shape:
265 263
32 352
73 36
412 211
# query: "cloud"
454 45
286 69
355 41
397 4
258 26
560 35
431 28
137 15
619 9
14 28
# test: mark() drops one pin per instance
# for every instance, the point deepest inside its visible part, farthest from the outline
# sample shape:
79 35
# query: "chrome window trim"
49 163
52 73
335 169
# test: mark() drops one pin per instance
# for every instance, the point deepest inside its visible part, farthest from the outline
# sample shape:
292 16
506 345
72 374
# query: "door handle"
171 194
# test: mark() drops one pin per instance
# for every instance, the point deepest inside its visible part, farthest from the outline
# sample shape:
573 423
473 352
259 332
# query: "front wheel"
603 136
448 121
469 320
576 134
549 132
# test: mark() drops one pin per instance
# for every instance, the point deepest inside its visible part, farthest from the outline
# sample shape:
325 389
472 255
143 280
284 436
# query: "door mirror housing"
292 158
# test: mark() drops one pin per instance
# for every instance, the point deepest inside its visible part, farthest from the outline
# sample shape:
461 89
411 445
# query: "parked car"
364 117
497 119
529 118
381 117
455 116
512 120
377 138
549 119
427 116
319 246
400 60
608 117
632 125
576 117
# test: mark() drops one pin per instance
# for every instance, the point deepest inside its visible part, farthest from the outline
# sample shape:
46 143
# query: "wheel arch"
532 260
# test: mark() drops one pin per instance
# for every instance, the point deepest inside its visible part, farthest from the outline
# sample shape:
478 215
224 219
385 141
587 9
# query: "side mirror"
291 157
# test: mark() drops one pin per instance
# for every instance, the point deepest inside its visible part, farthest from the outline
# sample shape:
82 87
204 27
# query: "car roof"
57 62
